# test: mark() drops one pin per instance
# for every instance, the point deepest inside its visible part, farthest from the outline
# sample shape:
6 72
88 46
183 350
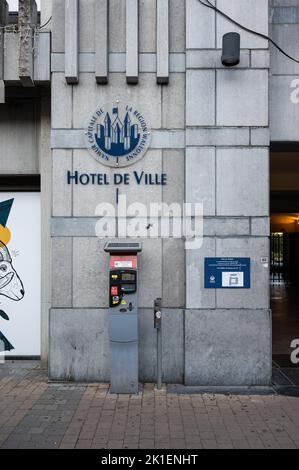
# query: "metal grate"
123 245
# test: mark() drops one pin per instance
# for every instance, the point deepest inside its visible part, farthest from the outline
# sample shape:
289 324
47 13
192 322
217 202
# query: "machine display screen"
128 277
128 288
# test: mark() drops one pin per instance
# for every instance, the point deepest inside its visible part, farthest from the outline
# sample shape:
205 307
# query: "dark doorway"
284 244
284 289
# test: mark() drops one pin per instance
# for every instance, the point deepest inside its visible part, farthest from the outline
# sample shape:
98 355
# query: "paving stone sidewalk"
36 414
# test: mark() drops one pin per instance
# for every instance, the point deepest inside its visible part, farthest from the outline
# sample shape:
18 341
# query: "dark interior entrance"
284 243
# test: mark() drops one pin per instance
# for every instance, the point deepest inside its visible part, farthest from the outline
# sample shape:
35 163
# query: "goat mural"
11 285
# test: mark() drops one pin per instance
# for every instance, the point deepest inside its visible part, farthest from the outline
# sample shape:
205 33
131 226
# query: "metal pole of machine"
158 326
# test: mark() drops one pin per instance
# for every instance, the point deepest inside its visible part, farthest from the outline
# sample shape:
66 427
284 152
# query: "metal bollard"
158 326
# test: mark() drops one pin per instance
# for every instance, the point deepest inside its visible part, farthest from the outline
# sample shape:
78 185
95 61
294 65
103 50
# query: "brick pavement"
36 414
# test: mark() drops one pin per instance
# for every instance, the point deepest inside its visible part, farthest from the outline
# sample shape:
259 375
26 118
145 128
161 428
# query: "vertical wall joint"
27 21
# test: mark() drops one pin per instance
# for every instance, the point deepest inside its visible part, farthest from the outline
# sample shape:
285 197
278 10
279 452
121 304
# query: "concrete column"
101 40
72 41
162 41
2 92
42 58
3 22
27 20
228 332
132 22
46 193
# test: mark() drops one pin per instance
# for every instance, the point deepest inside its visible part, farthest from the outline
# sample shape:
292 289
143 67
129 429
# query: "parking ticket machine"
123 316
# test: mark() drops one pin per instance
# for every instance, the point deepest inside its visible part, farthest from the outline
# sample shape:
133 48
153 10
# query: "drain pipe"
158 326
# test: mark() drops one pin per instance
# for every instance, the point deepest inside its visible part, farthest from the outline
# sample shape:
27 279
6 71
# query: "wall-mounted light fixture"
230 49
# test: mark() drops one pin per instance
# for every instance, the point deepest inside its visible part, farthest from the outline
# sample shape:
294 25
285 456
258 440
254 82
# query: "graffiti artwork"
11 285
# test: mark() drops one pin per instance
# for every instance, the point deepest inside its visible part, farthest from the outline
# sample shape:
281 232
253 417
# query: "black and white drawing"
11 287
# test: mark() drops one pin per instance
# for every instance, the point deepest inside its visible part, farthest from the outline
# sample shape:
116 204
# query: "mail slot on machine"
123 316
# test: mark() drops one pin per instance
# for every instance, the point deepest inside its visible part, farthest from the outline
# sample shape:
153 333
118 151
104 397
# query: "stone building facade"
209 134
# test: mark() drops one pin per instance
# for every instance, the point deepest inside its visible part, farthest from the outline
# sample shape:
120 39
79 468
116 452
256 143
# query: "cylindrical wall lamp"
230 49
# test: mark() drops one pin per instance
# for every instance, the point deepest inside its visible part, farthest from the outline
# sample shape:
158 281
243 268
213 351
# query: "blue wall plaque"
227 273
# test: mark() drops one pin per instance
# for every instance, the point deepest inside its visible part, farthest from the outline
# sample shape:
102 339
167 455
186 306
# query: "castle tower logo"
117 134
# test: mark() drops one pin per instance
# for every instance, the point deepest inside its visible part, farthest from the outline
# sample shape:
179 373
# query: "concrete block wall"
24 46
19 137
284 103
228 333
210 134
79 263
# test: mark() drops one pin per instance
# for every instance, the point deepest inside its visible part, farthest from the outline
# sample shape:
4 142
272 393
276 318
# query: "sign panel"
227 273
20 274
123 261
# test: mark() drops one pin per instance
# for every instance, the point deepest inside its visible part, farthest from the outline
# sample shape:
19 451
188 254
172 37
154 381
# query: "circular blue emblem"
117 134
